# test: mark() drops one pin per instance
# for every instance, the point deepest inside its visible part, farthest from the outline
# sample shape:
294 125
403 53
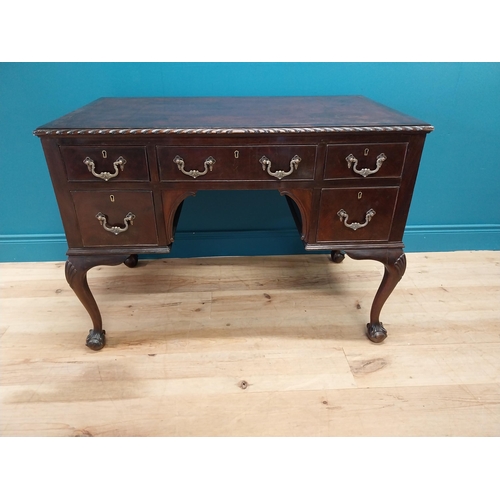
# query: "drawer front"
105 164
115 218
285 162
356 214
240 163
364 160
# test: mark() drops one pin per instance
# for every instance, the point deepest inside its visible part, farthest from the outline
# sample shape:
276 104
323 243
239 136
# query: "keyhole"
360 195
366 152
112 198
104 153
236 154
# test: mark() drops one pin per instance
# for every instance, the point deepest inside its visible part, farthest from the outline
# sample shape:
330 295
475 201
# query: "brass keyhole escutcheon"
360 195
112 198
104 153
236 154
366 151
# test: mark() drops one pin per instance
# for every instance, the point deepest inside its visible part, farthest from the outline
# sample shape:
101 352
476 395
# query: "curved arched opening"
242 222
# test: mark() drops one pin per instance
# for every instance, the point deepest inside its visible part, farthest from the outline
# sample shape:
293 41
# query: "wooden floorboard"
253 346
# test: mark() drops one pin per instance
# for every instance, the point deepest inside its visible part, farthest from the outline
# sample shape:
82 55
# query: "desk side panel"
57 171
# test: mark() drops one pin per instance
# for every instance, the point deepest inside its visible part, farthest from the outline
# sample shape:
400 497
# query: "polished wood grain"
230 113
253 346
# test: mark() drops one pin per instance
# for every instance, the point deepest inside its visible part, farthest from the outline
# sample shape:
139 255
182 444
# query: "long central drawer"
259 163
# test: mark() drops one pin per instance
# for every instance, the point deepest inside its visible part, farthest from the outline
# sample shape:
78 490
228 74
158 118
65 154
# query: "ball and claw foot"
376 332
132 260
337 256
96 340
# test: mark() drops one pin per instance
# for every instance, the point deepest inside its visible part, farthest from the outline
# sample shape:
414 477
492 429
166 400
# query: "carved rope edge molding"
137 131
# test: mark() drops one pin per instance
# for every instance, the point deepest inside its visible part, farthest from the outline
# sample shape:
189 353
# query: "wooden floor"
261 346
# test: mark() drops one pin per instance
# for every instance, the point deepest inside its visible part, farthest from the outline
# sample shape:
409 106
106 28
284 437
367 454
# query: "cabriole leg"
394 261
76 275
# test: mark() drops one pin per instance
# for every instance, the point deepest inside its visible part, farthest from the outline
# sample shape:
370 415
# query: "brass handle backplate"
116 230
355 225
352 161
119 165
207 165
279 174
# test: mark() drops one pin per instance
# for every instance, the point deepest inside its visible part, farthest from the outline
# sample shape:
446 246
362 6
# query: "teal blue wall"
456 200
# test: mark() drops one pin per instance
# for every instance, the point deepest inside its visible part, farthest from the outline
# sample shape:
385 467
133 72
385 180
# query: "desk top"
163 115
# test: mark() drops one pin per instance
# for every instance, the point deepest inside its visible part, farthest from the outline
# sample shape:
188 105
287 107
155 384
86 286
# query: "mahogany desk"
121 168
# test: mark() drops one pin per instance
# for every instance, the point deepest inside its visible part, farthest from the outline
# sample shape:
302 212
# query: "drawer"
266 163
115 218
355 214
105 164
364 160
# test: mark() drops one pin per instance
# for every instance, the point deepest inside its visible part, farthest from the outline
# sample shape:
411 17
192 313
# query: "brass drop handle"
119 165
352 161
355 225
279 174
116 230
207 165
